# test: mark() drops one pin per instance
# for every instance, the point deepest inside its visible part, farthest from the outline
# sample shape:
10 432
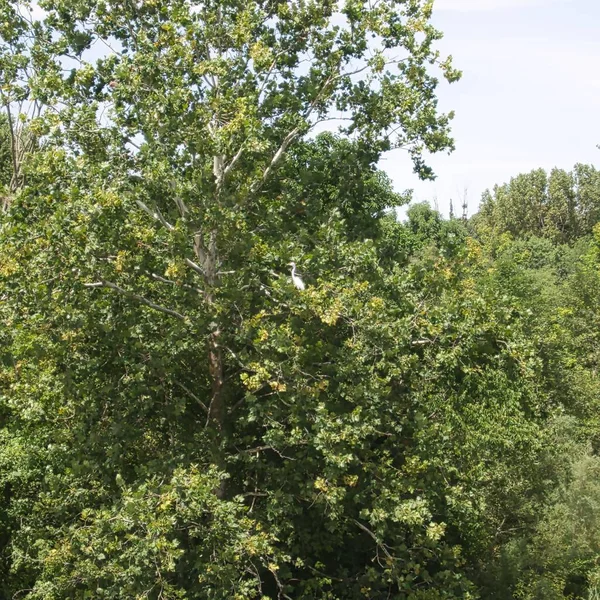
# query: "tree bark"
215 420
216 408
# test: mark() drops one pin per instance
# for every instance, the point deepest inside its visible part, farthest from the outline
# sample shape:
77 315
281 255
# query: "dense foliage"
177 420
561 206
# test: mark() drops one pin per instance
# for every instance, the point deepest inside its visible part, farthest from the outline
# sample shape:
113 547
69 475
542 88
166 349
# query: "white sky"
529 96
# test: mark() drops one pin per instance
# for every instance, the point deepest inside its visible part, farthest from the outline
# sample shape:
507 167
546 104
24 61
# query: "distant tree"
561 206
587 196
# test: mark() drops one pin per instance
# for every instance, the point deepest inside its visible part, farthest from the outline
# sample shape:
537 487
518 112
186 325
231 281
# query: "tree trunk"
216 410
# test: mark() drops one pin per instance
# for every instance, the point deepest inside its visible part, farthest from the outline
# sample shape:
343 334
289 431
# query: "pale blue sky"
529 96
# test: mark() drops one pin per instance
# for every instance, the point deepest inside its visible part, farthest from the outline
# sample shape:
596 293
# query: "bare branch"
90 286
260 449
194 266
326 119
280 594
192 395
176 283
13 144
289 138
141 299
421 342
268 77
234 160
256 450
292 135
238 360
162 279
155 215
183 209
374 537
127 140
236 405
226 170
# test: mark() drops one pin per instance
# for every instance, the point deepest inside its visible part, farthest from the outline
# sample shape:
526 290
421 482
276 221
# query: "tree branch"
183 285
374 537
183 209
194 266
192 395
234 160
155 215
13 144
141 299
291 136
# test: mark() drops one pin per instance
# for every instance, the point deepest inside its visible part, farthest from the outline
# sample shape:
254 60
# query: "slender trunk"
13 184
216 410
209 256
14 149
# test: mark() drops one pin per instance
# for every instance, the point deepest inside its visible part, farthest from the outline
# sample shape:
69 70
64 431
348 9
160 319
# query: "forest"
178 420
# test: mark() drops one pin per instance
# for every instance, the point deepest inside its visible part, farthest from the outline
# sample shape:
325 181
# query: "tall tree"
202 104
204 101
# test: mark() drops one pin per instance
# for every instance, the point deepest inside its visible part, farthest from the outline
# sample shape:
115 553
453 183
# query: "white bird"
296 279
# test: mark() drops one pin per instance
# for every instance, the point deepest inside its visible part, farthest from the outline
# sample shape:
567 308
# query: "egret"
296 279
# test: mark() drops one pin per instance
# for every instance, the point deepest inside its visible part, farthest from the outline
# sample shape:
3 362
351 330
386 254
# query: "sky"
529 96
